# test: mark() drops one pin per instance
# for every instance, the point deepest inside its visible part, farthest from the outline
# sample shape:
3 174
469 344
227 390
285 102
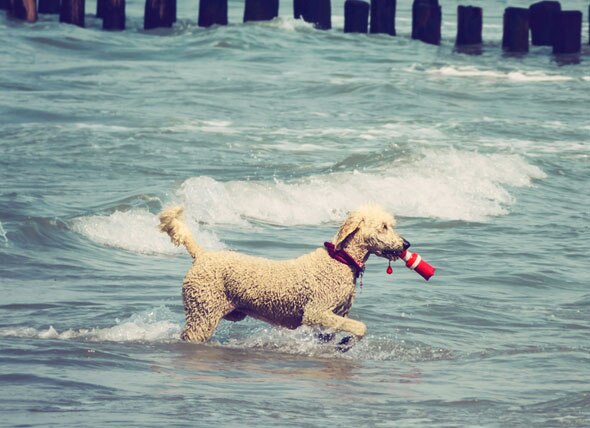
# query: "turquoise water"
268 134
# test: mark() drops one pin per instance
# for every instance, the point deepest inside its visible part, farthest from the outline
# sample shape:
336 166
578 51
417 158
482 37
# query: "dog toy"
415 262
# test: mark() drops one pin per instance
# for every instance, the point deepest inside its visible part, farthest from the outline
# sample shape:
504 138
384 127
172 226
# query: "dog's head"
372 228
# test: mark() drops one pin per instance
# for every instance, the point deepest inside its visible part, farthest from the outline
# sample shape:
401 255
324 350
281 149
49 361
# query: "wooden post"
317 12
426 21
25 10
568 34
356 16
261 10
383 16
212 12
543 16
159 13
100 5
516 30
72 12
299 8
322 12
114 15
49 6
469 25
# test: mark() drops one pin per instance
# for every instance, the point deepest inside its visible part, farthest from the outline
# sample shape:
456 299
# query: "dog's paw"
345 344
325 337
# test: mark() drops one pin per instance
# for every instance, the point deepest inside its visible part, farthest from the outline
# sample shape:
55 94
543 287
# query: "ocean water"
268 134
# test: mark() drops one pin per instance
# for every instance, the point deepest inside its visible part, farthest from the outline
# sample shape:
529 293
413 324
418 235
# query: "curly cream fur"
313 289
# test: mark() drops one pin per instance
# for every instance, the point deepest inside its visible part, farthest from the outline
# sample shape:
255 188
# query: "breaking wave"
448 185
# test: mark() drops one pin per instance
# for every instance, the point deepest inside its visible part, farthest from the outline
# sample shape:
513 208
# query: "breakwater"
543 23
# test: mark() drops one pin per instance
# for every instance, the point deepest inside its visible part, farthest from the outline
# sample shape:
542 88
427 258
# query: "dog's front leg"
330 320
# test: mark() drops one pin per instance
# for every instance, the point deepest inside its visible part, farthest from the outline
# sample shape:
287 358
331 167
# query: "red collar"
343 257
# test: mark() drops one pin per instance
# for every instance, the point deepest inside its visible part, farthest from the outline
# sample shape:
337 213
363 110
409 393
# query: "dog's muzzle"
395 254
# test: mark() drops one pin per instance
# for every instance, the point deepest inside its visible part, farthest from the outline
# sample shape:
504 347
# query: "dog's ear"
350 226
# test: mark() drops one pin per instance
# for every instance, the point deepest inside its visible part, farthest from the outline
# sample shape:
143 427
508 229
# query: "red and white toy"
415 262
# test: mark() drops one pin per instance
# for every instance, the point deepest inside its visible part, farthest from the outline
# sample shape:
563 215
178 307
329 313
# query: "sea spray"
445 184
154 325
136 230
3 237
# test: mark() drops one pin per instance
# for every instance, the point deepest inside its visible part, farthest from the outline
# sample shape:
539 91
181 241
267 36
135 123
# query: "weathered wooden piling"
49 6
25 10
543 17
113 17
72 12
356 16
100 4
299 8
212 12
261 10
426 21
469 25
159 13
515 37
317 12
383 16
568 35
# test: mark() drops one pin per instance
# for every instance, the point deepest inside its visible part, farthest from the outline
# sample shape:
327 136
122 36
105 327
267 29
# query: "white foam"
155 325
304 341
472 71
100 127
224 127
160 325
444 184
533 148
3 237
331 137
284 23
136 230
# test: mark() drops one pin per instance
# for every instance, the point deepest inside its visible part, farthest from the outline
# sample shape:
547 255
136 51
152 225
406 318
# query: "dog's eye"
384 227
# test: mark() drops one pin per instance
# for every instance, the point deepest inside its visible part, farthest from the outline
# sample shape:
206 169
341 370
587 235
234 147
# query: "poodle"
315 289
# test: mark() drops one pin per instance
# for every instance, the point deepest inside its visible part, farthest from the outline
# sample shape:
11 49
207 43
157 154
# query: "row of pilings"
543 23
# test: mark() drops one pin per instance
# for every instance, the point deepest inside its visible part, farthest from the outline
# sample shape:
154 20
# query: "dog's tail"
171 223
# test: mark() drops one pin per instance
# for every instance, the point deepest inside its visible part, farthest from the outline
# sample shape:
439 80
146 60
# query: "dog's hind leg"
203 315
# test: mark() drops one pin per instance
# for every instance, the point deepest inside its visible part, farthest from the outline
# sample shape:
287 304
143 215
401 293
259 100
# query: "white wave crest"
3 237
286 24
206 126
136 230
449 185
515 76
155 325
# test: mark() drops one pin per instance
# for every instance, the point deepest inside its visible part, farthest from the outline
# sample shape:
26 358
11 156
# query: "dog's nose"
406 244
